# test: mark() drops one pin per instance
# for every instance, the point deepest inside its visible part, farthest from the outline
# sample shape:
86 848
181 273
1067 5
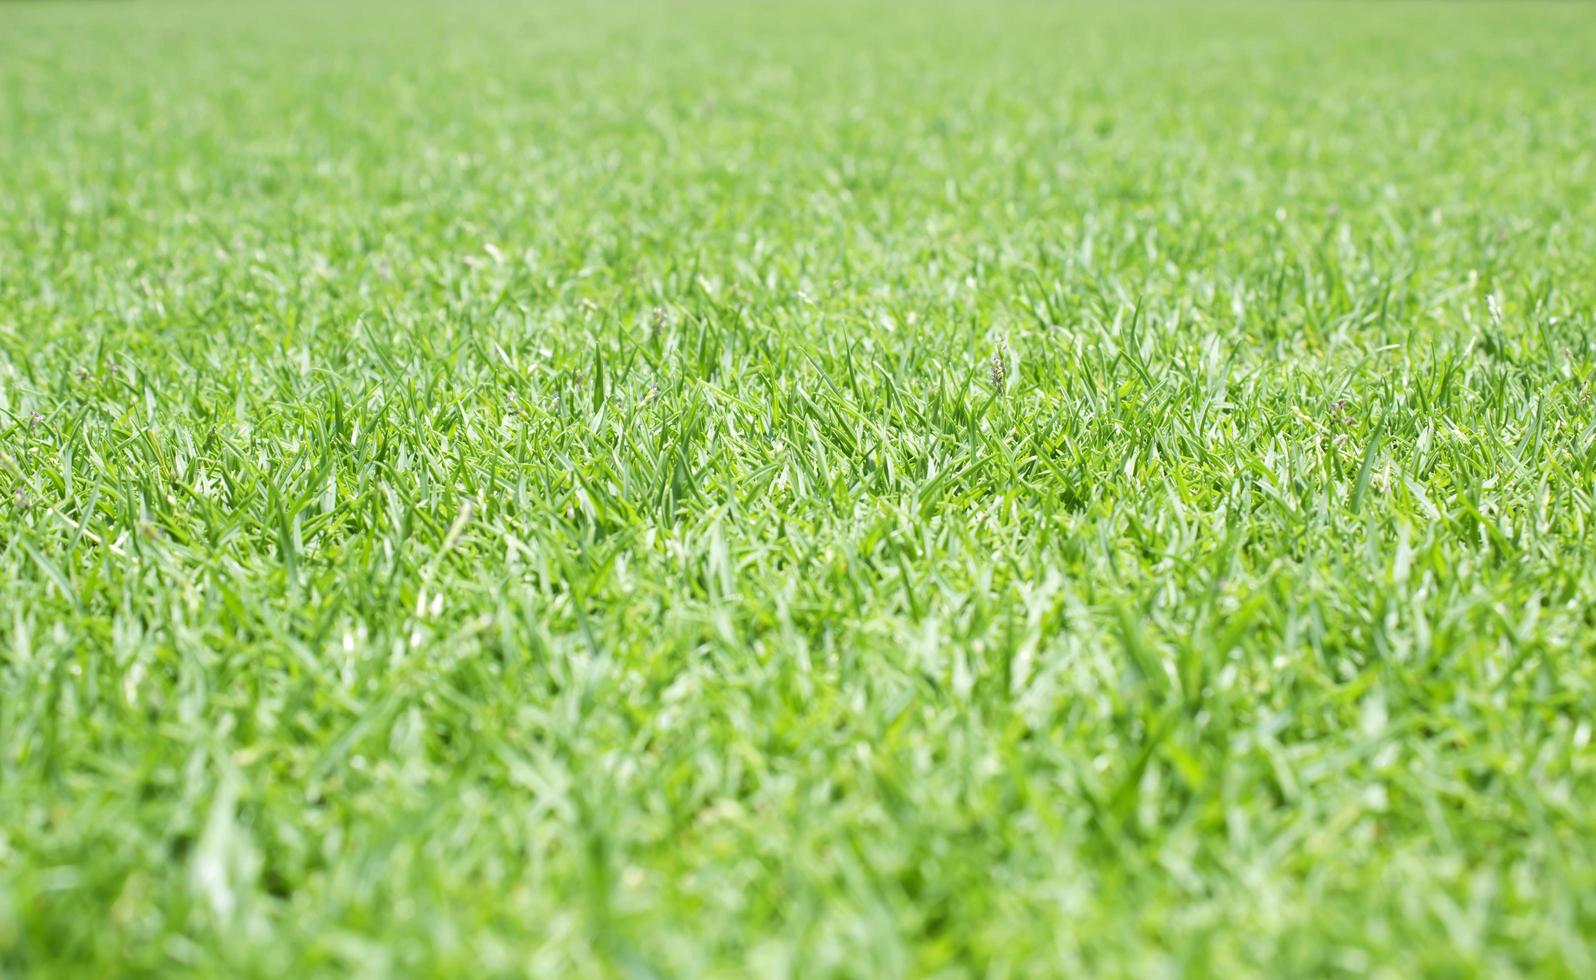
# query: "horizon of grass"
829 490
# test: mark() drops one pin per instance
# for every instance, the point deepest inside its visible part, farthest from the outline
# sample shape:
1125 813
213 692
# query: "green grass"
705 489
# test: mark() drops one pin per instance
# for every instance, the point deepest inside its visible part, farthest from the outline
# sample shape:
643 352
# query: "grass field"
826 489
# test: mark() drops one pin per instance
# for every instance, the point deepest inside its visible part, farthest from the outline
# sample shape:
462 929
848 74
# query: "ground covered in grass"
698 489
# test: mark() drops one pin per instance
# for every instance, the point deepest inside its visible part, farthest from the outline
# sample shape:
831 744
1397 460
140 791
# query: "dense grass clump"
706 489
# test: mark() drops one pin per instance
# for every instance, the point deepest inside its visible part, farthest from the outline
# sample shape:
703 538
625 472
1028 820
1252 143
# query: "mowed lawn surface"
818 489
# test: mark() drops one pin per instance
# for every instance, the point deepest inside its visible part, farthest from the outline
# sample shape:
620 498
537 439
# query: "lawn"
819 489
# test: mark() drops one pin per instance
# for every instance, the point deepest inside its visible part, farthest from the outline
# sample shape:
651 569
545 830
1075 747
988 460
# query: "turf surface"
626 489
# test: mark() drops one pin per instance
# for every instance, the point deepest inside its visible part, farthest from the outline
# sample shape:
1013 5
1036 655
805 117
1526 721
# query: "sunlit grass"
687 489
